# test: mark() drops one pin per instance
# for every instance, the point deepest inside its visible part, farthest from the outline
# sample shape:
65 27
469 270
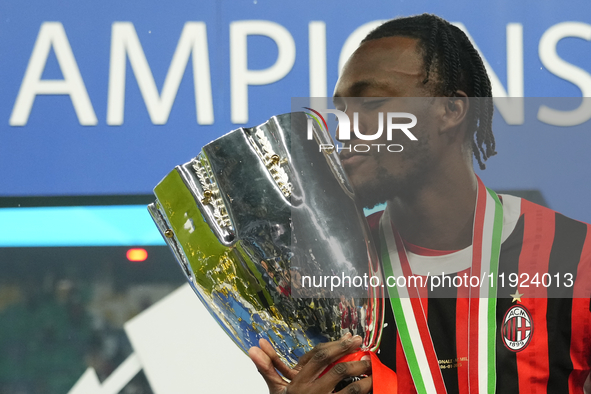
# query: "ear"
455 114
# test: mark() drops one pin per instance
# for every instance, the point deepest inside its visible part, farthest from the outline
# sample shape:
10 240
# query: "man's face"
388 68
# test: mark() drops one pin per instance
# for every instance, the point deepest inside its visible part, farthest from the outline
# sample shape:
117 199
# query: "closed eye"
373 103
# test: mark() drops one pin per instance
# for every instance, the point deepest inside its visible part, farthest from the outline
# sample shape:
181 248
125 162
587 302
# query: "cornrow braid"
449 54
428 59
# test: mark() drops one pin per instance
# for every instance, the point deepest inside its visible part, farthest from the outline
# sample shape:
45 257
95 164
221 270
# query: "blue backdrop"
91 132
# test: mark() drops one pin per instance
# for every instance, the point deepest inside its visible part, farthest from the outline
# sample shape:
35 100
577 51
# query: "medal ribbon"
408 308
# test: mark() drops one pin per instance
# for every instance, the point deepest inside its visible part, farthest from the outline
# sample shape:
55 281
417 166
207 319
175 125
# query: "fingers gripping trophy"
264 225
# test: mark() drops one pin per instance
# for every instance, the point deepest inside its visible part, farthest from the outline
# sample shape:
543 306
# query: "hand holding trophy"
264 225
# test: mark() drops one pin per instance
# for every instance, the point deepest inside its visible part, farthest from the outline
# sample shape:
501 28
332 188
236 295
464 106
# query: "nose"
345 137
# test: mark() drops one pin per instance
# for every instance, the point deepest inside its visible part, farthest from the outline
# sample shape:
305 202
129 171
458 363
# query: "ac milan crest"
517 328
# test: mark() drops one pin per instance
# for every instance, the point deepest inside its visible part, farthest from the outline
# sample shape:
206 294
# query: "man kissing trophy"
264 225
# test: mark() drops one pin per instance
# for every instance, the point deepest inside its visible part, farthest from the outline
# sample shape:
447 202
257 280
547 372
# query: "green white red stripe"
409 313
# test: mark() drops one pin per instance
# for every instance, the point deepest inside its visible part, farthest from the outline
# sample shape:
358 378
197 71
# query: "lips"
353 158
345 155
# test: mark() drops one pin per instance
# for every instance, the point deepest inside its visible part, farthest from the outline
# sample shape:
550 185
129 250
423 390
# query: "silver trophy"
261 222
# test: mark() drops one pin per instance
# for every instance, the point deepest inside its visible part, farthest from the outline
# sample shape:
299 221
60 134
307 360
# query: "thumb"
264 365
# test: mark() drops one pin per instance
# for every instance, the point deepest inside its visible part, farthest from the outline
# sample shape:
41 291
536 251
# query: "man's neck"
440 215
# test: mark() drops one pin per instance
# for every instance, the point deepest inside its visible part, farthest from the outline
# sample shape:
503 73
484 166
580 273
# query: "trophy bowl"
261 222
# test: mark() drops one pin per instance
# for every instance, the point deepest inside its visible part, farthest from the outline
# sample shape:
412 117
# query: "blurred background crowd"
63 310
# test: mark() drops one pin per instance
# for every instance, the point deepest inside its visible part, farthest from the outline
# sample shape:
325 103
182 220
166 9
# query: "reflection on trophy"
261 222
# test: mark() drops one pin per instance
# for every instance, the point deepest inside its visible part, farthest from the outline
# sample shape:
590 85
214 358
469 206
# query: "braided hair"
449 54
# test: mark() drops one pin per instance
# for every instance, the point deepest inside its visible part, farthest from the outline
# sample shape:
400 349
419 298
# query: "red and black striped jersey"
543 340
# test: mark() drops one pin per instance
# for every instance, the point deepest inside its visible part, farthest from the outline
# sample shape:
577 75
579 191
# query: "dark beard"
379 190
383 186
